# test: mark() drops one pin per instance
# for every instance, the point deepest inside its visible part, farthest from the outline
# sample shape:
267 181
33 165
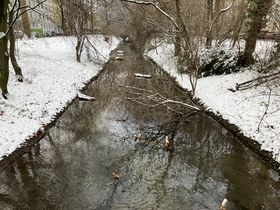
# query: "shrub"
218 60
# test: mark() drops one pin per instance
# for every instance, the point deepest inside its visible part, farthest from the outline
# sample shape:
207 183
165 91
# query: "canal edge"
250 143
41 132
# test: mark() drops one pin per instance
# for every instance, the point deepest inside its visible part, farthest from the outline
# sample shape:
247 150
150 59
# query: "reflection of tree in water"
254 176
24 183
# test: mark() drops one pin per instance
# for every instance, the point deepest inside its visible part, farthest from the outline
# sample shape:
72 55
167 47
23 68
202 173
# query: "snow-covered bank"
244 109
52 78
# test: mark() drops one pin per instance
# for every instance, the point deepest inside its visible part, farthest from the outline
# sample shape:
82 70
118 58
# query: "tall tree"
61 14
209 36
4 55
25 19
239 21
257 12
178 50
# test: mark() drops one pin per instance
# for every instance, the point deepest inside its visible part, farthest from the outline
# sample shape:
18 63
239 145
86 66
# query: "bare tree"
211 20
77 19
239 22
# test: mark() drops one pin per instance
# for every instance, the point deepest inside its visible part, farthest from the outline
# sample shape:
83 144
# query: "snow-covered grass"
243 108
52 79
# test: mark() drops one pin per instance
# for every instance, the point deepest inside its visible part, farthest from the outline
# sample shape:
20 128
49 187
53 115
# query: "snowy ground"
242 108
52 78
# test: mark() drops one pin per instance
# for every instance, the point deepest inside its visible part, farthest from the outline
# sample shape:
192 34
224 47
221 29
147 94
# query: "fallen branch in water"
143 96
83 97
146 76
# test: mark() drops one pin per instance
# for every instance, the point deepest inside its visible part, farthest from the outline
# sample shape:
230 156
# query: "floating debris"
119 58
120 52
42 130
146 76
83 97
224 204
139 137
115 176
166 144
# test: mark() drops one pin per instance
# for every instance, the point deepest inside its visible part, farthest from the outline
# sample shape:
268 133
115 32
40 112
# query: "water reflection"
71 168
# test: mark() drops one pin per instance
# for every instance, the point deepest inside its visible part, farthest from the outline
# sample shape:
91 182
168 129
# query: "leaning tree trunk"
258 13
178 41
4 55
79 47
13 57
12 39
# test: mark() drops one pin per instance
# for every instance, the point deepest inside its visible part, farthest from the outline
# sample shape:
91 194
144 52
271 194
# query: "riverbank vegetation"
243 95
210 37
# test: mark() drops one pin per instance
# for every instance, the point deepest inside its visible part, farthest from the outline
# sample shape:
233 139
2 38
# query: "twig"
267 106
160 100
157 8
219 14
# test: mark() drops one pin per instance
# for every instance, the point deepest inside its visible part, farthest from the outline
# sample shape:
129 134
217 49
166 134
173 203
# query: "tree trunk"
239 21
177 44
13 57
62 16
79 47
12 39
209 35
178 40
4 55
258 13
25 19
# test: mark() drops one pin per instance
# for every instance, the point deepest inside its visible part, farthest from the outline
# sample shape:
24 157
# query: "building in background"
42 19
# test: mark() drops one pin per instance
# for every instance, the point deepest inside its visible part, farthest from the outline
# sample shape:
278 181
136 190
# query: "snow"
52 78
148 76
2 34
84 97
243 108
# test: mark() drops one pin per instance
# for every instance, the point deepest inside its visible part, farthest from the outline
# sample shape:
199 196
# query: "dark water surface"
71 168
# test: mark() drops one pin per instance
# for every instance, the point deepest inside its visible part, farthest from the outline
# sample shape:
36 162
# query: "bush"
218 60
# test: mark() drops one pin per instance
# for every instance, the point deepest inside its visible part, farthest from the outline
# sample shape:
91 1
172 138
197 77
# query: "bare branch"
29 8
220 13
156 7
267 106
157 98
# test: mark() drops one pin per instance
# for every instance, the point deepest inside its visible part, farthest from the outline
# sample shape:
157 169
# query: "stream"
123 132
